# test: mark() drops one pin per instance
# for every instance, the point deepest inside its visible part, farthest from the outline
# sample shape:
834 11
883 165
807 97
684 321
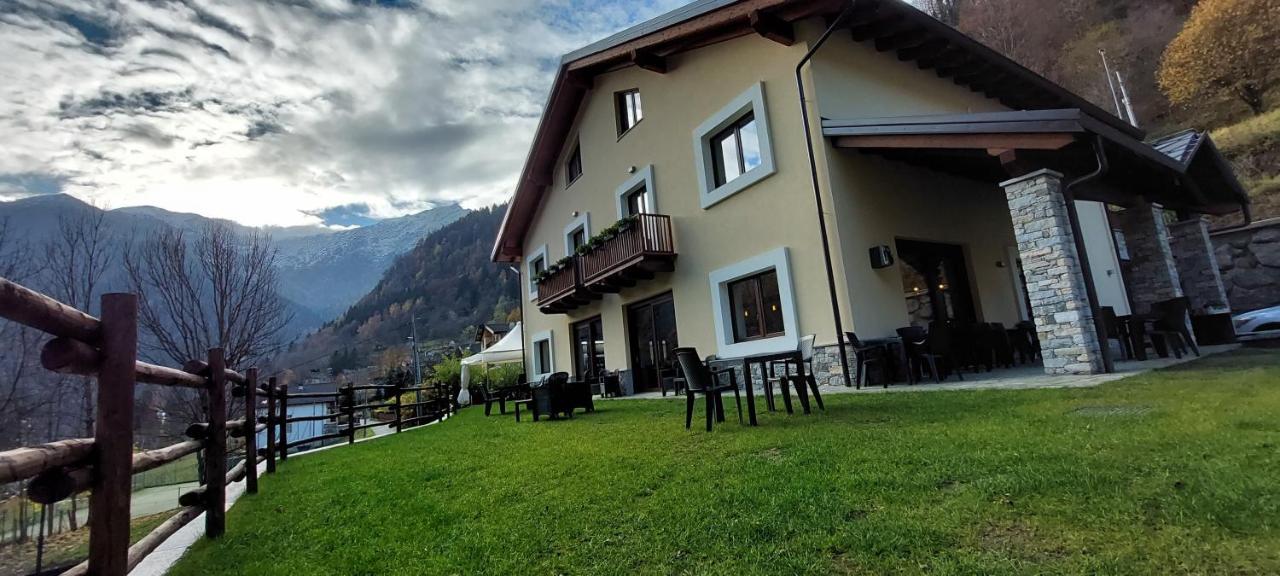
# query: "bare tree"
76 258
218 289
20 349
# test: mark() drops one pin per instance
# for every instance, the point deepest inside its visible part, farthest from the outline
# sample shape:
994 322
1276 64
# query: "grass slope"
1172 472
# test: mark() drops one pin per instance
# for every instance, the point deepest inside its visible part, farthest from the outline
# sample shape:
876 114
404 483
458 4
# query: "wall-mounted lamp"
631 170
573 214
881 257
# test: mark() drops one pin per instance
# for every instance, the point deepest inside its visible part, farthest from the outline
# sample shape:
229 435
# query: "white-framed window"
754 306
628 109
576 233
544 356
732 149
536 263
637 195
573 166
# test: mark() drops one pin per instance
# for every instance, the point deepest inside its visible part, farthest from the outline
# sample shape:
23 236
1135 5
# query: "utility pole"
1124 97
417 368
1111 83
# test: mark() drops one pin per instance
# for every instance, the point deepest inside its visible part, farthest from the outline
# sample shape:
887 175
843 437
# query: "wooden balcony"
634 254
562 290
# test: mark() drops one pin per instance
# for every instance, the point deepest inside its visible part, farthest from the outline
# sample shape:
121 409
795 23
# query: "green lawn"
1172 472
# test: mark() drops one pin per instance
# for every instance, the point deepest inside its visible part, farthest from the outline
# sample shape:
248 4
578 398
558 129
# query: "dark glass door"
935 281
588 349
653 335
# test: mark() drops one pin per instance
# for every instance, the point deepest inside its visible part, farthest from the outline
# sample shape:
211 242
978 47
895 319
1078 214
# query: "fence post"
113 438
271 425
284 425
399 419
350 394
215 461
250 431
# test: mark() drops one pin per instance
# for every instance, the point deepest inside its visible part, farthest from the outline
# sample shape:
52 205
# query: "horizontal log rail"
240 432
374 405
22 463
68 356
374 387
30 308
201 368
370 425
303 395
62 482
311 418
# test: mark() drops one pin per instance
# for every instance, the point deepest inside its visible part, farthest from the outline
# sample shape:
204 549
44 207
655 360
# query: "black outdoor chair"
611 383
1001 347
700 379
548 398
1170 325
865 356
483 393
932 349
1025 341
670 379
787 378
1117 330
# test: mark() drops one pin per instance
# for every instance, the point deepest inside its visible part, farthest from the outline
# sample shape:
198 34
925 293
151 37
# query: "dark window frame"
641 192
756 282
573 166
539 366
622 105
537 265
733 130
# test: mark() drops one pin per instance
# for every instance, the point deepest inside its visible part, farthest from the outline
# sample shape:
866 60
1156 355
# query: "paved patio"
1016 378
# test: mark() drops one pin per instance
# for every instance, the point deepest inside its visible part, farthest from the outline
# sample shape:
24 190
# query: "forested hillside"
447 281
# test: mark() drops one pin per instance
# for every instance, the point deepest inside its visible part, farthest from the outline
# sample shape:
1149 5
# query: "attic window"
629 110
573 167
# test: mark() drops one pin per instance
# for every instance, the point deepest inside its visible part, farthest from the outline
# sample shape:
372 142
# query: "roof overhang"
891 26
996 145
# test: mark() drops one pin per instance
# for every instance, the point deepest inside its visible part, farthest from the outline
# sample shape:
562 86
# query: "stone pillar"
1198 266
1152 272
1055 283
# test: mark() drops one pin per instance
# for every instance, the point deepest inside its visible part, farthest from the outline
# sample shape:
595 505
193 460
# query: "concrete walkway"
1017 378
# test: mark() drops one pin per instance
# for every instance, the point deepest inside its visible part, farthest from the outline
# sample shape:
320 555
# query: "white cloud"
267 112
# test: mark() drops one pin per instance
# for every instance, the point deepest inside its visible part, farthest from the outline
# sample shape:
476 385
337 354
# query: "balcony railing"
635 253
647 242
558 288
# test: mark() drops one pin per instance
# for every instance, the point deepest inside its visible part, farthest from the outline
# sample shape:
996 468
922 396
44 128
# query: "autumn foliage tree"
1226 47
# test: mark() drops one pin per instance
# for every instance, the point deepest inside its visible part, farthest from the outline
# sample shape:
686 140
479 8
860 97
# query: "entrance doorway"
935 282
651 329
588 349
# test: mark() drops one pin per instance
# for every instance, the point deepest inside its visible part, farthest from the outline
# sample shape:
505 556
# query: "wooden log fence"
107 349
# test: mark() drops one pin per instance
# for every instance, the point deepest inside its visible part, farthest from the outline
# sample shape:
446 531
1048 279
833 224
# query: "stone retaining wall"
1249 260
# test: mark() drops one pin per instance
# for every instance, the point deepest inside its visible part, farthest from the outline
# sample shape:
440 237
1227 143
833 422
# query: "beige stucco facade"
869 201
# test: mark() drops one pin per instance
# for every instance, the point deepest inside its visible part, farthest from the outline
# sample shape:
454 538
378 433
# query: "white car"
1264 320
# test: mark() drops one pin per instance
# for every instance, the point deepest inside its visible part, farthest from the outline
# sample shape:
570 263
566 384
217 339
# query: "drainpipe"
817 192
1085 270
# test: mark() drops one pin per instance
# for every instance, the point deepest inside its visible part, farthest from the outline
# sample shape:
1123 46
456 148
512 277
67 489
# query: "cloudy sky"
282 112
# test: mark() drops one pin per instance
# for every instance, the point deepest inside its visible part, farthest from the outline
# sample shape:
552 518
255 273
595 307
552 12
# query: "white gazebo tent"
508 350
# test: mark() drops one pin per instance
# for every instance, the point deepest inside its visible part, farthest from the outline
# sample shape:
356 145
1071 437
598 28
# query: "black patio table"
764 360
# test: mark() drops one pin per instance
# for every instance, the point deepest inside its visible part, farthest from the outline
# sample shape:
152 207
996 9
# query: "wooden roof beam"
772 27
965 68
946 58
875 28
908 39
648 61
930 48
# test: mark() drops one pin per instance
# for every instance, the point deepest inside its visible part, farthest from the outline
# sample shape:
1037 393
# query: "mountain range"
322 271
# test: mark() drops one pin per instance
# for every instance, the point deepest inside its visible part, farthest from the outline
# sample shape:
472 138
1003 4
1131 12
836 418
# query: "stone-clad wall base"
1249 260
1151 272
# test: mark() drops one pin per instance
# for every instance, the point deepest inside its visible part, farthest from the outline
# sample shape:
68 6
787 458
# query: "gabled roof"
890 25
